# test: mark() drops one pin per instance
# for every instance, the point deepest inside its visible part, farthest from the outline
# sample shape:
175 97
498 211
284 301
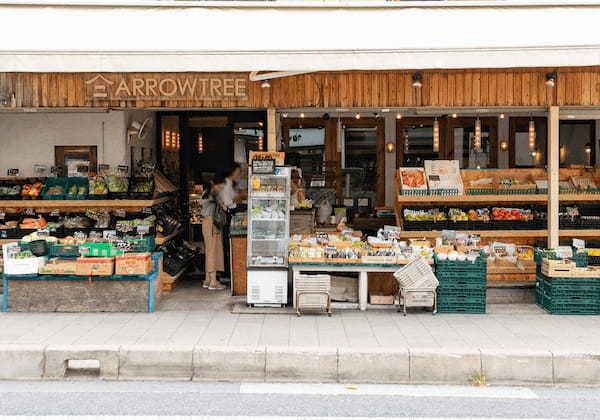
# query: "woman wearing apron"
213 235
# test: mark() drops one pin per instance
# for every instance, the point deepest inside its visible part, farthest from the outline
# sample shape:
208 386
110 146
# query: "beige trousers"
213 250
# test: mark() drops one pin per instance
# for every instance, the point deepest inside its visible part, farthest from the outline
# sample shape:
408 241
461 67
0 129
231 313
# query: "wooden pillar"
271 130
553 176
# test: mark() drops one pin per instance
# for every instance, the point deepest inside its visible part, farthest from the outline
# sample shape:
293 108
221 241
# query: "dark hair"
218 179
229 171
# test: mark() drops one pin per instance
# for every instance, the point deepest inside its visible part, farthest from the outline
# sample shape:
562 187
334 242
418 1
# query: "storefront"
523 138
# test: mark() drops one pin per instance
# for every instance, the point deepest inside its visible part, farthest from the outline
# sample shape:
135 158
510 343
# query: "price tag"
578 243
263 166
109 234
147 210
55 213
43 233
120 213
83 169
123 168
12 172
143 229
29 212
2 215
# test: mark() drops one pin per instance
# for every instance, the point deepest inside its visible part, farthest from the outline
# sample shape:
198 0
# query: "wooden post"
271 130
553 176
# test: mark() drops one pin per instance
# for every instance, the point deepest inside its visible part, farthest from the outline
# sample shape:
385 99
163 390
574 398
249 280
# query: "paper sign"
12 172
29 212
578 243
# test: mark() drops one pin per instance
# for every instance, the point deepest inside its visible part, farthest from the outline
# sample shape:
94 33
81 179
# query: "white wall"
149 142
29 138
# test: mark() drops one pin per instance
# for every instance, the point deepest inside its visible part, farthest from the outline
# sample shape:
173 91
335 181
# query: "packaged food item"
117 184
98 186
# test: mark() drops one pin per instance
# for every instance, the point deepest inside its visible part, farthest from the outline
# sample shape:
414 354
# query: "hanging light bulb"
260 143
357 116
531 134
436 135
398 116
200 143
454 115
477 137
406 142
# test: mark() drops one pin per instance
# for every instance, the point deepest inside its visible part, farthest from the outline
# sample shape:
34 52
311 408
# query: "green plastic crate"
460 300
53 182
470 276
99 249
461 309
64 251
455 292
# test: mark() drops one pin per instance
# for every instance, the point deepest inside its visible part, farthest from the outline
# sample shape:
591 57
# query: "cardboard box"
379 299
133 264
60 266
90 266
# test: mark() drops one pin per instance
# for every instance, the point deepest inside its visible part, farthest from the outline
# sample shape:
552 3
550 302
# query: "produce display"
32 190
11 191
143 186
33 223
55 190
75 190
117 184
418 215
503 213
97 186
413 180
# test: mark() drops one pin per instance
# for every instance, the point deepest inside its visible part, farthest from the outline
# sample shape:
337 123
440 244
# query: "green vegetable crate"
568 296
52 186
99 249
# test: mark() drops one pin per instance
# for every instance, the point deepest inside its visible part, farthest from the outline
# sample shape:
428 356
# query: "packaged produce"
94 266
98 186
33 223
32 190
101 218
502 213
117 184
133 264
13 191
419 215
77 222
143 185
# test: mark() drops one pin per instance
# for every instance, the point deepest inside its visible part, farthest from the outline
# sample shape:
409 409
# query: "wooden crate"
565 268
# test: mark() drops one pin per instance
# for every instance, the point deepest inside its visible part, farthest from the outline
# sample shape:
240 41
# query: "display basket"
55 182
522 184
133 186
78 182
97 196
312 293
64 251
114 194
99 249
416 275
15 185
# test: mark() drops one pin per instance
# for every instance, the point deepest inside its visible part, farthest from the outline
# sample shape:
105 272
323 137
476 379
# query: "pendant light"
477 137
405 141
531 134
200 143
436 135
260 143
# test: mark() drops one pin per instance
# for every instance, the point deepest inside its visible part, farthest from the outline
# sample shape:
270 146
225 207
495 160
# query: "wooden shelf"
491 198
160 239
57 204
582 233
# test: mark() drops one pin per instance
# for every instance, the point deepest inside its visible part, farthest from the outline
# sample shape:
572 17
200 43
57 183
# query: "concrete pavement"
195 336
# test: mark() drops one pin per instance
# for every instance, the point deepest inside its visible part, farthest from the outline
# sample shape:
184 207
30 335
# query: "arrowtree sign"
168 86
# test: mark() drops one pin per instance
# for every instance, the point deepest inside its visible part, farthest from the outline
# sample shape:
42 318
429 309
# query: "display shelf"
160 239
57 204
584 233
491 198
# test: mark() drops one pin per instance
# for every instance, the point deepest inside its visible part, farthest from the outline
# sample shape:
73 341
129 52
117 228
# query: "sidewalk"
510 344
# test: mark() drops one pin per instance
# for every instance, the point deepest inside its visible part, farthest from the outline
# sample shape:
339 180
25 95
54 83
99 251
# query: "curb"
305 364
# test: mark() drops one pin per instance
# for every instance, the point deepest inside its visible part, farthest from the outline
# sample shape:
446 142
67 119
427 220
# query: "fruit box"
60 266
133 264
90 266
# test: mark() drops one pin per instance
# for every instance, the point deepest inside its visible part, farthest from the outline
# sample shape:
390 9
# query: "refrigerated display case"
268 237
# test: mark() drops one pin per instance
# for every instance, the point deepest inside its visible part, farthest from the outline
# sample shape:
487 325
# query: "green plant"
478 378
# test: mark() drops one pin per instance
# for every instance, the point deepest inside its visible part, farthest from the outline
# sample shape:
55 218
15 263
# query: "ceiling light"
417 80
260 123
551 79
398 116
385 110
302 115
588 148
284 115
502 116
454 115
357 116
265 84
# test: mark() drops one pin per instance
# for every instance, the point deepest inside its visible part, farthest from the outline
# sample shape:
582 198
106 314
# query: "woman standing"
212 219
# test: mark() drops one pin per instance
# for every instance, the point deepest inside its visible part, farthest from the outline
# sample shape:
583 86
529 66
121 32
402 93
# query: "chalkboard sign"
12 172
263 166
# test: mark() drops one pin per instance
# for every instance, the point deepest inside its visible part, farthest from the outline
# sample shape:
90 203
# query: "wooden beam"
553 176
271 130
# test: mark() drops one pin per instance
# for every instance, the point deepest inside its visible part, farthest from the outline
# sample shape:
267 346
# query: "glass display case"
269 218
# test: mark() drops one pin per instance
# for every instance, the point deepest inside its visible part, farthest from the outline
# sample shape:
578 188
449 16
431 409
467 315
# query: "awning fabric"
220 39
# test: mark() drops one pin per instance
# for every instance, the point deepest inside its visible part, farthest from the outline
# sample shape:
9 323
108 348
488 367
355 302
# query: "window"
577 143
471 151
414 143
528 138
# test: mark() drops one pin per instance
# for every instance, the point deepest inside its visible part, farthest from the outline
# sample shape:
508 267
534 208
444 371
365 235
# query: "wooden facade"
441 88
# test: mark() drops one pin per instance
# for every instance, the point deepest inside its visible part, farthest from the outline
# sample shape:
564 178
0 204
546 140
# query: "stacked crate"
567 294
462 287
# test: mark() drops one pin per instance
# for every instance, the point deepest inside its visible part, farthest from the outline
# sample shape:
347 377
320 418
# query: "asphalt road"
273 401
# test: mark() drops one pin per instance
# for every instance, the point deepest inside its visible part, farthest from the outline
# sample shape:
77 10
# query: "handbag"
220 217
